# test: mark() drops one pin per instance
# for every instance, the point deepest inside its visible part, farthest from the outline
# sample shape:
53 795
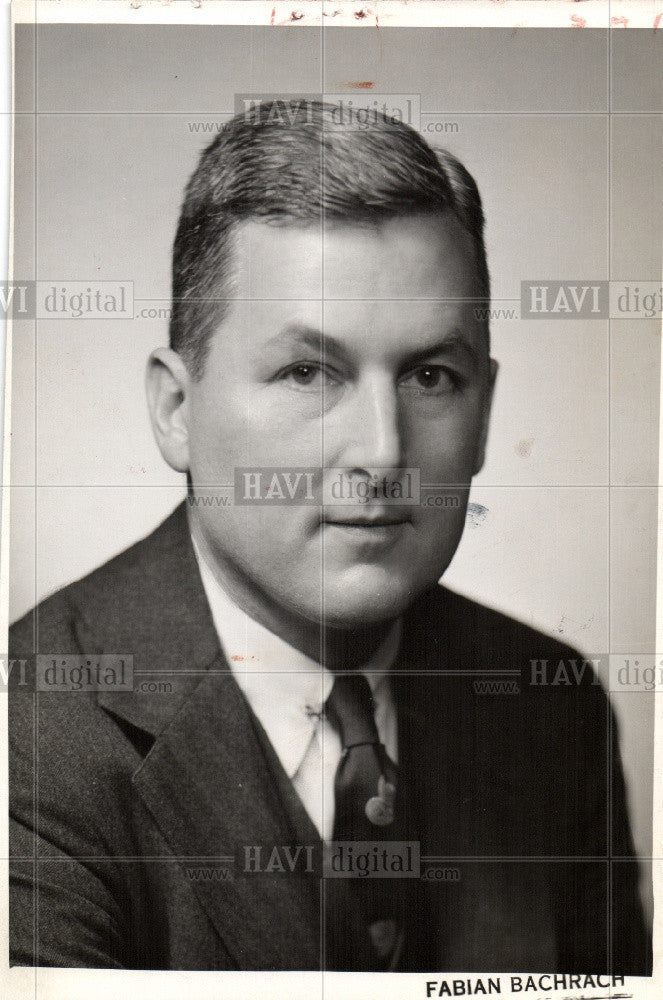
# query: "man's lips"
373 520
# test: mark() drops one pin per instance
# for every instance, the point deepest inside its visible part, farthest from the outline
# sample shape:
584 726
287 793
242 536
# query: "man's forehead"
404 257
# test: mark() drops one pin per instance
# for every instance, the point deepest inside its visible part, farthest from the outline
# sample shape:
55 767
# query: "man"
320 683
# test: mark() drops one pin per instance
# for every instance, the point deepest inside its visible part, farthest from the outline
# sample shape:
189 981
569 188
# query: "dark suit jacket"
120 800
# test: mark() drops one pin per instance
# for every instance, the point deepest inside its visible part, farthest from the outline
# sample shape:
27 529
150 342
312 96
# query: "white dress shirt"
287 691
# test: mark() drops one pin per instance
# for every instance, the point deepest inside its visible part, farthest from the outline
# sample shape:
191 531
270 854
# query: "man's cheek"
439 520
449 470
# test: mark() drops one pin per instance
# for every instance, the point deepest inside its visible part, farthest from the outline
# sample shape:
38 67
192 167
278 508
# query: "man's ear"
485 417
168 396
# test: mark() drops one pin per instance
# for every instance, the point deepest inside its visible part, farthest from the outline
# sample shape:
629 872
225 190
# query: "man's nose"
371 435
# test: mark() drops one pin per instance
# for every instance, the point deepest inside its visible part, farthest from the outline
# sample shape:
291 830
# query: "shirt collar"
285 688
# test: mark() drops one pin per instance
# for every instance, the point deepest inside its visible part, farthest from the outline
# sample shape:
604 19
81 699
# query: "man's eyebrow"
451 343
303 335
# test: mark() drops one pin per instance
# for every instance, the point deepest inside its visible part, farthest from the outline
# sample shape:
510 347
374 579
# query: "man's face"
359 352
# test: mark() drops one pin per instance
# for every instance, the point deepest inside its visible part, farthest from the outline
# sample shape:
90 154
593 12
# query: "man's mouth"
364 536
374 521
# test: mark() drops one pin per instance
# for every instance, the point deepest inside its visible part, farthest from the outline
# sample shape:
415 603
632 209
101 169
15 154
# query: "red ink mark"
578 22
657 21
296 15
240 659
616 22
362 13
361 84
271 20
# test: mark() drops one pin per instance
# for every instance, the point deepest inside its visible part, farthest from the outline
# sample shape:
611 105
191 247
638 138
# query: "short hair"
292 163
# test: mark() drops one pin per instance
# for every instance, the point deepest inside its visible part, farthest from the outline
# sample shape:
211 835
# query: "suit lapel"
205 781
211 793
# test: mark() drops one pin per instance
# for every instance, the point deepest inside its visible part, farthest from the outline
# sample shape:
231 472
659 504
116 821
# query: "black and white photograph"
331 510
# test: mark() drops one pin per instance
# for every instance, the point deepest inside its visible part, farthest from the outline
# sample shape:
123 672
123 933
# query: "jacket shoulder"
110 592
461 625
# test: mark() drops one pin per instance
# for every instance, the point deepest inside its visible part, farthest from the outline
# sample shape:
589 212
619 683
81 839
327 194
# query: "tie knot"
350 708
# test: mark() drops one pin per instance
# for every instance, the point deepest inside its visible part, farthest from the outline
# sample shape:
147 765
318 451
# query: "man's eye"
431 378
307 375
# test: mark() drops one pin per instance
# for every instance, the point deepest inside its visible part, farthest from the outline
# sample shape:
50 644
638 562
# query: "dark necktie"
366 810
365 783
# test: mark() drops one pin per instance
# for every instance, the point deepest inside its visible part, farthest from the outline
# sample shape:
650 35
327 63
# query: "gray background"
568 540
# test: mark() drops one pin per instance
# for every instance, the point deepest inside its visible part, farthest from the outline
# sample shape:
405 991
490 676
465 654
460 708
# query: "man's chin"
351 604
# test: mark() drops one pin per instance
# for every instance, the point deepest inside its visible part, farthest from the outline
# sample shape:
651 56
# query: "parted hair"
293 163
